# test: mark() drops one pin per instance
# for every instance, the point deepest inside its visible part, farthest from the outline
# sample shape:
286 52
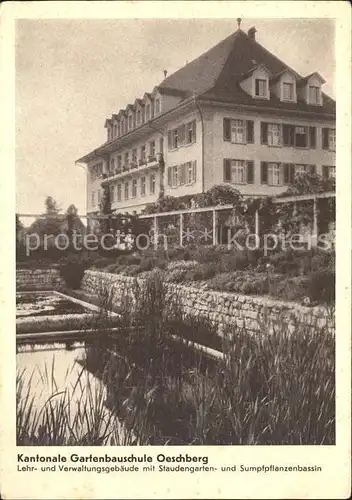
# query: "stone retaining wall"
250 313
38 279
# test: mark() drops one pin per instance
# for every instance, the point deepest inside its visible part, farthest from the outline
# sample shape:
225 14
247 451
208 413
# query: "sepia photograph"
175 232
175 292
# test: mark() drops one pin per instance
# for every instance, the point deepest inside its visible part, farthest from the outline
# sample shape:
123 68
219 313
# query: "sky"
73 74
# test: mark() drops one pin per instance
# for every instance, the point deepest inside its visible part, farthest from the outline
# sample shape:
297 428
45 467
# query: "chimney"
251 33
165 73
239 20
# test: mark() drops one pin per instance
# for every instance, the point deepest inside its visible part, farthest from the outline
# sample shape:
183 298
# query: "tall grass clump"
270 388
75 416
277 387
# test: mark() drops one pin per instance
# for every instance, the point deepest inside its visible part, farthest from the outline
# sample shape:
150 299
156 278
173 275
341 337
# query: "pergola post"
181 230
315 223
215 239
155 231
256 223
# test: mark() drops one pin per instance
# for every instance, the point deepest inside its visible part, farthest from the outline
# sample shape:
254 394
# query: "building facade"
236 115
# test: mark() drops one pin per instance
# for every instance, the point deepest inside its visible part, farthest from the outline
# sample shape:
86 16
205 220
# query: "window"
142 186
118 194
175 138
134 156
119 163
289 173
188 173
329 139
314 95
238 171
184 134
175 177
191 132
134 188
152 148
112 166
130 122
274 134
93 198
301 137
161 145
288 91
157 106
152 184
261 88
147 112
238 131
274 174
288 135
115 130
139 117
300 170
313 137
180 175
189 178
329 172
99 196
126 189
112 193
142 155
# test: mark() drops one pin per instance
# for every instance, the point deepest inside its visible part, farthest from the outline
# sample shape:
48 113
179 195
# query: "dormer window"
130 122
147 112
139 117
261 88
157 106
314 95
310 89
288 91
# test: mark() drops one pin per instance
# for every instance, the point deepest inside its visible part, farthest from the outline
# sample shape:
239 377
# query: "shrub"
321 286
181 264
131 270
176 275
201 272
236 261
290 288
72 270
221 282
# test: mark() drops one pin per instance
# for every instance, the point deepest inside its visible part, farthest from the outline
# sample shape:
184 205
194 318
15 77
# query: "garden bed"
305 276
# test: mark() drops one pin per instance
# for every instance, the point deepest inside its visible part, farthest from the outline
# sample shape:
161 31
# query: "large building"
235 115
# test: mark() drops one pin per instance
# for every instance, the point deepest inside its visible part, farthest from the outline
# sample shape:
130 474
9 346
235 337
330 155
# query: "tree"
310 184
72 210
163 204
71 215
105 209
224 195
19 229
51 206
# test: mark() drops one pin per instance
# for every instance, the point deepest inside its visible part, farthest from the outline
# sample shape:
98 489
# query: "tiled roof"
306 78
201 74
216 74
170 91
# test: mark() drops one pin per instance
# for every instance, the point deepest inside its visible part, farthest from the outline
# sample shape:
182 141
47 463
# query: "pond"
46 304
